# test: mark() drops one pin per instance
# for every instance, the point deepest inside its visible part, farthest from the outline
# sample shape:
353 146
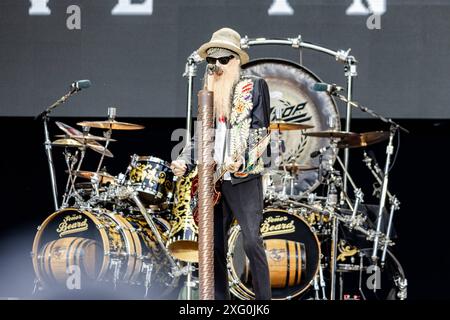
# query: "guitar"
220 171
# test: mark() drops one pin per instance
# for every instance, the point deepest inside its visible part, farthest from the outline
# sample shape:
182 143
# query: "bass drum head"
290 87
69 238
277 224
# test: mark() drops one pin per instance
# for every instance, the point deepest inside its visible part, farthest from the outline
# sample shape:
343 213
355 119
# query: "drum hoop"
129 243
303 69
37 239
234 231
153 159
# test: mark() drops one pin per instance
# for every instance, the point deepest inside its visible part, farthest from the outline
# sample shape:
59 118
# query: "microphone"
319 152
330 88
213 68
80 84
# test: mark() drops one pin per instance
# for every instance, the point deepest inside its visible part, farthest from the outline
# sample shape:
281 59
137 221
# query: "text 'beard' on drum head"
291 89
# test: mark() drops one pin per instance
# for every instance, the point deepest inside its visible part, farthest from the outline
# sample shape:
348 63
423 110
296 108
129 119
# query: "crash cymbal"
283 126
331 134
111 124
67 142
104 177
84 137
363 139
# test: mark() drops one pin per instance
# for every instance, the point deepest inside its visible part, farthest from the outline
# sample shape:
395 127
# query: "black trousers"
244 201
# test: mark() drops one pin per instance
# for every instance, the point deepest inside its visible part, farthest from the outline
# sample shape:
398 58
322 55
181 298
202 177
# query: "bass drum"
293 255
290 87
103 246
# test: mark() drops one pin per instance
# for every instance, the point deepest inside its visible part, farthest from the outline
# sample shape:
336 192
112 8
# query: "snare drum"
152 178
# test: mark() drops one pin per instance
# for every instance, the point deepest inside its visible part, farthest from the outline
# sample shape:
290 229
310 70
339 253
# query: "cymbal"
111 124
282 125
331 134
67 142
84 137
294 167
92 144
104 177
363 139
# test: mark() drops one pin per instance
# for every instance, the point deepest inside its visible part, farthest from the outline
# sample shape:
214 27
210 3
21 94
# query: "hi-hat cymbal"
331 134
85 137
104 177
111 124
283 126
363 139
67 142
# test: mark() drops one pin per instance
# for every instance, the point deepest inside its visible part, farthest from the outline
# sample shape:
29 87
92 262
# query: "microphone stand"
190 72
389 151
45 116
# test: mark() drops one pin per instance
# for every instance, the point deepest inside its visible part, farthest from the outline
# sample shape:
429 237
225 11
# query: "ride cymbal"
331 134
283 126
363 139
111 124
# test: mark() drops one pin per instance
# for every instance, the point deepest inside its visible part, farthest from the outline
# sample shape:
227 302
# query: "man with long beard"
241 111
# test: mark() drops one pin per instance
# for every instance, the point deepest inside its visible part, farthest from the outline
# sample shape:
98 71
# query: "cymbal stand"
48 152
72 191
384 188
359 195
107 134
394 202
71 160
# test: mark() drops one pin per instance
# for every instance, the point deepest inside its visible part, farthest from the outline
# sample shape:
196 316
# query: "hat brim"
243 56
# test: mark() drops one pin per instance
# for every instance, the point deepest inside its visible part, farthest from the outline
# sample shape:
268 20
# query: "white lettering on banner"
375 7
280 8
126 8
39 8
74 20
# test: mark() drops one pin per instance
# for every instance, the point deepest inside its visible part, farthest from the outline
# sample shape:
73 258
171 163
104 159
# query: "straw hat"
225 38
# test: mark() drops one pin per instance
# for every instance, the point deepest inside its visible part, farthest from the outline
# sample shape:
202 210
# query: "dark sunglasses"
222 60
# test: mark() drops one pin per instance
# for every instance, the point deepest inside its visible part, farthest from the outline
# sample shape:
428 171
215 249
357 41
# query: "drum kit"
139 229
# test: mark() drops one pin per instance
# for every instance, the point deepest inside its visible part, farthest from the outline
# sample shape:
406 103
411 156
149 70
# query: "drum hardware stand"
190 72
359 196
70 162
389 151
395 203
350 73
107 134
155 231
72 191
48 151
116 264
361 268
45 115
148 269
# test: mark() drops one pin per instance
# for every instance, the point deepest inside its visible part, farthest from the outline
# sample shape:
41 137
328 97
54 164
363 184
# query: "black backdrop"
419 178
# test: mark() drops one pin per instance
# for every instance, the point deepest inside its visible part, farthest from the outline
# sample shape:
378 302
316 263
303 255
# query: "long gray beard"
223 91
